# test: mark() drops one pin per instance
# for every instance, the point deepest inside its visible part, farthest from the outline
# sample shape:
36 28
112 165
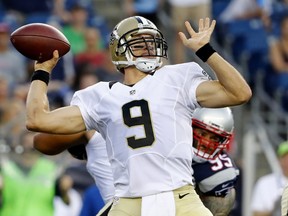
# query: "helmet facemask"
149 61
142 45
207 144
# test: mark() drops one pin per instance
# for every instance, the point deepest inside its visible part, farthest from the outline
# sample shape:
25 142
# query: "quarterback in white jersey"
157 140
214 178
146 120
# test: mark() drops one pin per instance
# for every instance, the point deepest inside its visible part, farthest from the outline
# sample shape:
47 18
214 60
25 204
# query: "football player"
146 119
215 173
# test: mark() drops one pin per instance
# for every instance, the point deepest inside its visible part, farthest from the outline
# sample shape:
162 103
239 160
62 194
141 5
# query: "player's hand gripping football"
200 38
49 64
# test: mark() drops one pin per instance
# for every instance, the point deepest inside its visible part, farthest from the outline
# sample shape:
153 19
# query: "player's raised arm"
230 89
65 120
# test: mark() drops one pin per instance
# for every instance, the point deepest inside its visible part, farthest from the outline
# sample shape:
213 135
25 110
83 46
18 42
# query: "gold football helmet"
137 33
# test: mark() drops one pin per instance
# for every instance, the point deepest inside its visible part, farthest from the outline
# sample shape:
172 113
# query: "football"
37 41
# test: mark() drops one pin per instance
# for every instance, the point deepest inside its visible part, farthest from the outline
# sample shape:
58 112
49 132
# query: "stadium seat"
100 23
218 6
235 33
254 53
37 18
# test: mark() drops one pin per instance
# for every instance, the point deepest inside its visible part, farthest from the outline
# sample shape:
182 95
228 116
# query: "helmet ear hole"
120 50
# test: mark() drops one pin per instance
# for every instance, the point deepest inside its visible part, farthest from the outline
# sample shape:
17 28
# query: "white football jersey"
99 166
147 127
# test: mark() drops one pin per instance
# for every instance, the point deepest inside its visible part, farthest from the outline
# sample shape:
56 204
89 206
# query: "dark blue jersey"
216 177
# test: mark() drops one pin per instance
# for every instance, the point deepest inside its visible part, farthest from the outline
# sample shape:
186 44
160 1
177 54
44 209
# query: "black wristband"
41 75
205 52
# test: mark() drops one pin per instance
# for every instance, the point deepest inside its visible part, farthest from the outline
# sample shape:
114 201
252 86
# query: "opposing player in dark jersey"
215 173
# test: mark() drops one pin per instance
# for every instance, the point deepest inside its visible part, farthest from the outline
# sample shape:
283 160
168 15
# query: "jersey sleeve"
87 100
195 75
186 77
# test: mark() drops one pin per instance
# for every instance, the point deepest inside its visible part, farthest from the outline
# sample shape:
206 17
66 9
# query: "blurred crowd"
255 33
67 183
32 183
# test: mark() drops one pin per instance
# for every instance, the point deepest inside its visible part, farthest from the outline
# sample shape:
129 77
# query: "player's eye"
202 133
206 149
215 138
138 47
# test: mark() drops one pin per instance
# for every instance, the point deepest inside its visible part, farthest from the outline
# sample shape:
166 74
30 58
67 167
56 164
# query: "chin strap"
146 65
